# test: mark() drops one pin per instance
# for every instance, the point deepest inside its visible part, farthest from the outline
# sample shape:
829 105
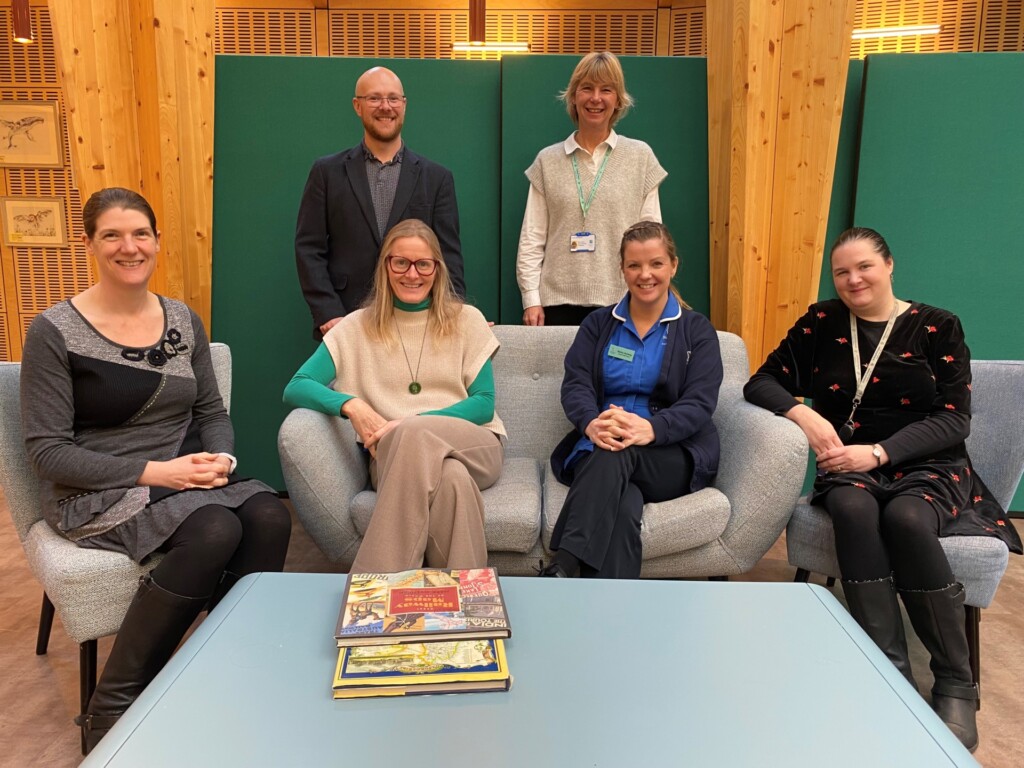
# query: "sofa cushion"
666 528
511 508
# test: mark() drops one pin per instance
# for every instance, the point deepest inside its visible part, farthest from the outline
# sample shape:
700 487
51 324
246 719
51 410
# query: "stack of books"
421 631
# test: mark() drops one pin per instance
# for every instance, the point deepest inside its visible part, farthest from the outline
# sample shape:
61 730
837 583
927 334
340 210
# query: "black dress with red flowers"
916 406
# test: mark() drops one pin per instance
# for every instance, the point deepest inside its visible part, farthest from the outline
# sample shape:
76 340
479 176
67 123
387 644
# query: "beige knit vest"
590 279
380 375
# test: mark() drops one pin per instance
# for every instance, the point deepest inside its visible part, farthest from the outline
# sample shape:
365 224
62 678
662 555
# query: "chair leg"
972 622
86 677
45 624
802 574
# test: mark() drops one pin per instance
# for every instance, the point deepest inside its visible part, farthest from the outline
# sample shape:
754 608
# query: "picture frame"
33 221
30 135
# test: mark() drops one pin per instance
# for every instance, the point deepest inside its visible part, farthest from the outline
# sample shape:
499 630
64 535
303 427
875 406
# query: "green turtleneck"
310 387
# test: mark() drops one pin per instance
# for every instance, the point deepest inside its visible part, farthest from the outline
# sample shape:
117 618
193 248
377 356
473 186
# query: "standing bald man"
354 197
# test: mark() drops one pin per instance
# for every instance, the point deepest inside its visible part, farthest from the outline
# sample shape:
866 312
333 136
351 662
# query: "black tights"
214 539
902 538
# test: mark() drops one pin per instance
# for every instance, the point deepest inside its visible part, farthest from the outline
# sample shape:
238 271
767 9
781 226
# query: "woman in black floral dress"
893 471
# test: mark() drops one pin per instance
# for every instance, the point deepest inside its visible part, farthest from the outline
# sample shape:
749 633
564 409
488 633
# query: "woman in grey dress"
125 427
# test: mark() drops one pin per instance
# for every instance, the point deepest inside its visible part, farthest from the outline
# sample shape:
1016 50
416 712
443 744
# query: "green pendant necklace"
414 385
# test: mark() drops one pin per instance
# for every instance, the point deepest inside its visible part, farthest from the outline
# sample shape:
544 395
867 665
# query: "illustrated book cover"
406 669
423 605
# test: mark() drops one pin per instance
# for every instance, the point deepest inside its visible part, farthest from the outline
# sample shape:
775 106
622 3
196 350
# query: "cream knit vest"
371 371
590 279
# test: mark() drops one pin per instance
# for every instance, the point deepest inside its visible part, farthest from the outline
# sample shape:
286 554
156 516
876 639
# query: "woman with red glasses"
412 371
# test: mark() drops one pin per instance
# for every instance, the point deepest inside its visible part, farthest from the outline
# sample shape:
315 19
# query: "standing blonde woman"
412 371
584 193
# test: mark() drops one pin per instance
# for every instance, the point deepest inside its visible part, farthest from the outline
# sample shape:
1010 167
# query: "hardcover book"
423 605
408 669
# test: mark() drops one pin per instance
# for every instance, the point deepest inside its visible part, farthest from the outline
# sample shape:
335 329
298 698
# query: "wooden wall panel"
1002 26
689 31
31 279
138 81
959 20
283 31
776 82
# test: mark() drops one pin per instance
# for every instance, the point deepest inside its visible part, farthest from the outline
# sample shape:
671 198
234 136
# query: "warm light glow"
22 18
491 47
911 31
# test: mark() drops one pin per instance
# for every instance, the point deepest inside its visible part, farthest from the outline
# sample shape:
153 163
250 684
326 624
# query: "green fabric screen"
940 176
671 114
274 117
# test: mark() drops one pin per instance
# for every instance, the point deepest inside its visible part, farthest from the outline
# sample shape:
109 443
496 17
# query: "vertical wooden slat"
776 80
815 61
138 82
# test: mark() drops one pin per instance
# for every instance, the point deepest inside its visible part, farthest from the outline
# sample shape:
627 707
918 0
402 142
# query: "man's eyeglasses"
400 265
376 101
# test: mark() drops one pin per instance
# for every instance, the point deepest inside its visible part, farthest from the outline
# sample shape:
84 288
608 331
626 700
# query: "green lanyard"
585 204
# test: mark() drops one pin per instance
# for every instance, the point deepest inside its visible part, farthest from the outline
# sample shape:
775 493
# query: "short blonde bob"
600 68
445 306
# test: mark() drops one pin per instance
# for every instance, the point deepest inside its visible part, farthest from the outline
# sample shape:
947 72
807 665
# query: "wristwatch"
876 451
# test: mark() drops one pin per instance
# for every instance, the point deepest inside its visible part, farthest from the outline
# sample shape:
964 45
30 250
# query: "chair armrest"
323 470
762 469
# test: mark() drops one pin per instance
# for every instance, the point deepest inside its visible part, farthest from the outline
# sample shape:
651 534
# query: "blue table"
606 673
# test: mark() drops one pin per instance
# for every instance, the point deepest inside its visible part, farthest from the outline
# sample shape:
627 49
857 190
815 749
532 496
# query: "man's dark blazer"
336 238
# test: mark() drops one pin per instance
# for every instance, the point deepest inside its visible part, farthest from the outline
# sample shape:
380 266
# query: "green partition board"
274 117
671 115
940 176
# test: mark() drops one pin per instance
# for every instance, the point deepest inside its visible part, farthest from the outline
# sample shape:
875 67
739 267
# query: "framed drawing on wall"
33 221
30 135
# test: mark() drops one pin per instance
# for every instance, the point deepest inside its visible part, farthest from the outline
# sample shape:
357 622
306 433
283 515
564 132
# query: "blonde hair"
445 306
643 231
599 67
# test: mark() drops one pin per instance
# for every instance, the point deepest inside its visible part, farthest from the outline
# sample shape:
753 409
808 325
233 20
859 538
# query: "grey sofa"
719 531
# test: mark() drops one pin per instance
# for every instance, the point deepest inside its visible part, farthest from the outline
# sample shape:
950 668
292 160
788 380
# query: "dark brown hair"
853 234
114 197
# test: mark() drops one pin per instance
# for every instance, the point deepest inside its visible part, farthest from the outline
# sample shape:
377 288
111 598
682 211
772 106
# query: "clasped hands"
368 424
832 455
193 470
617 428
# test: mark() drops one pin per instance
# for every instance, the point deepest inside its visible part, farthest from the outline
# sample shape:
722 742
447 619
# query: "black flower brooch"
158 356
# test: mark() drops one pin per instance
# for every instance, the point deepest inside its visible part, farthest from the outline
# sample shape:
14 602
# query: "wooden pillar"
138 84
776 80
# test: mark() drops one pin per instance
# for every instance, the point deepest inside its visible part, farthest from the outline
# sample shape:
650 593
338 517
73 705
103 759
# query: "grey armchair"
719 531
997 452
89 589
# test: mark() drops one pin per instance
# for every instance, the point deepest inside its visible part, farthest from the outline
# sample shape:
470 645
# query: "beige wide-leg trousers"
428 474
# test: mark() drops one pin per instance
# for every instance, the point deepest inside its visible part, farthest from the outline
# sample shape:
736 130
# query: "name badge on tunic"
621 353
583 242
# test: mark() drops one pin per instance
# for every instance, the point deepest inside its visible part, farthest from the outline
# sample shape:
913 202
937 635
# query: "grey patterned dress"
95 412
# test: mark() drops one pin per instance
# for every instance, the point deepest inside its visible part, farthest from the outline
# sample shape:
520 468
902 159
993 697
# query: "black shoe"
938 619
873 605
551 570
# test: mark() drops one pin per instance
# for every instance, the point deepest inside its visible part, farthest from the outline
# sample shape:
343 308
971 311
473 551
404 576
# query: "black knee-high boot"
938 619
873 605
152 628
